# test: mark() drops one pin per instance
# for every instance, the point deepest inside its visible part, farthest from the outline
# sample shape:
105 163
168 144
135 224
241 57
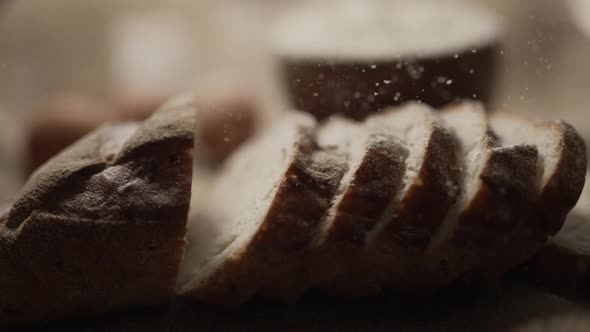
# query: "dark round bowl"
358 88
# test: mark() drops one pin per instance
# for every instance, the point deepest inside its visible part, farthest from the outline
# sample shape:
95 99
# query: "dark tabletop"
502 308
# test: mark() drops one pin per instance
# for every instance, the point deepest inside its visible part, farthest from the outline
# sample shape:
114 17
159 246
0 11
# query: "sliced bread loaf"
264 210
374 176
561 169
496 188
101 226
405 227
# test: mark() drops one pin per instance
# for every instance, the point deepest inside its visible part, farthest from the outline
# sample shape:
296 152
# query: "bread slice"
561 169
404 230
374 176
264 210
101 226
496 188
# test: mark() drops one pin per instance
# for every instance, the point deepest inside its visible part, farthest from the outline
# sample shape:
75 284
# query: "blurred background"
126 56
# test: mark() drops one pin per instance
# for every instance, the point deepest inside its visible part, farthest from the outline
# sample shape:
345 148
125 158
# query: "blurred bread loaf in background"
227 116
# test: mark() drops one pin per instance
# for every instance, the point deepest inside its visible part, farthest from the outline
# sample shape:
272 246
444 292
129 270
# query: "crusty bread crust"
551 205
423 209
271 263
566 185
374 184
101 226
398 246
504 187
311 184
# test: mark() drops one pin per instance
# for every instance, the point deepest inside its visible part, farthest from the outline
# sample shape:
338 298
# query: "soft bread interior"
349 140
514 130
468 123
233 210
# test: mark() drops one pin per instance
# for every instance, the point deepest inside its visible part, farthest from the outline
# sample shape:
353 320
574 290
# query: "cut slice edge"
264 255
561 169
497 185
417 127
562 163
375 171
213 217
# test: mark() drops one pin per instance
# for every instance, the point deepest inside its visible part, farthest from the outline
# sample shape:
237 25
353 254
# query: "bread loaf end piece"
101 226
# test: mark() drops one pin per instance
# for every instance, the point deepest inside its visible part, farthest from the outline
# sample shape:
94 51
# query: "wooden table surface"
509 306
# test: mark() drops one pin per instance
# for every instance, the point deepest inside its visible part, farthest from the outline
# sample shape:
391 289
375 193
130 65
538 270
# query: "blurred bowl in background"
356 57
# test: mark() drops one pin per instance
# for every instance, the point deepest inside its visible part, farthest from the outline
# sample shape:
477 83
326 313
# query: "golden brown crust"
57 267
551 206
437 190
566 185
504 187
374 185
101 226
294 228
400 245
507 187
271 263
